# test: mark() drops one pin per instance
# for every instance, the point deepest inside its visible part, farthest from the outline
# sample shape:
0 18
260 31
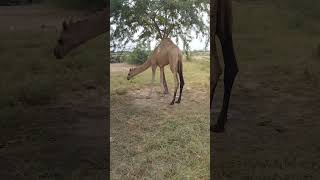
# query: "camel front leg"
175 77
152 80
163 82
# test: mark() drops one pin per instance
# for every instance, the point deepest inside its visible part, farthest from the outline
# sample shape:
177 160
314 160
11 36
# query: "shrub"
138 56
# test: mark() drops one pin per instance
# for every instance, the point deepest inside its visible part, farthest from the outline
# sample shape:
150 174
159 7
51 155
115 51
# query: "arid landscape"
273 126
52 112
155 140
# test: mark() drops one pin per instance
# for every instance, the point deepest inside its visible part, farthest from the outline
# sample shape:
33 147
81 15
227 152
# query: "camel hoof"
178 102
217 129
172 103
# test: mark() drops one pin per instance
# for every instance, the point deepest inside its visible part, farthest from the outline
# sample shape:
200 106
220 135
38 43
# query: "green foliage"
138 56
154 19
80 4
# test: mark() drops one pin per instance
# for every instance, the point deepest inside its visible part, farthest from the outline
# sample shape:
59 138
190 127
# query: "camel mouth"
128 78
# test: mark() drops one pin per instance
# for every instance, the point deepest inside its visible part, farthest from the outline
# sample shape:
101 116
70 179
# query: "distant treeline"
139 56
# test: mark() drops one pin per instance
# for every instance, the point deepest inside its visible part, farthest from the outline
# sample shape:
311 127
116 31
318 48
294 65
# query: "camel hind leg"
230 72
174 70
153 79
181 79
166 91
175 77
163 81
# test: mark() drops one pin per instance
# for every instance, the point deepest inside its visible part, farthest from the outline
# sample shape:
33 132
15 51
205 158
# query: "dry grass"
150 138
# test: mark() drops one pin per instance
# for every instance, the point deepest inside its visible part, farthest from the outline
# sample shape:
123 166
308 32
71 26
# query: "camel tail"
180 71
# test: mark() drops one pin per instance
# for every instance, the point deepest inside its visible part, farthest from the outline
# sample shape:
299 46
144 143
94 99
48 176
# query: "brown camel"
221 31
74 34
166 53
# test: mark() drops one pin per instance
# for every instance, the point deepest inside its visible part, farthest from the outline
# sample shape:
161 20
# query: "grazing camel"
221 31
74 34
166 53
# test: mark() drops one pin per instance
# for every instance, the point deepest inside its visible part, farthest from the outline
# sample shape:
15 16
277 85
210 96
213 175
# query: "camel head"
74 34
132 72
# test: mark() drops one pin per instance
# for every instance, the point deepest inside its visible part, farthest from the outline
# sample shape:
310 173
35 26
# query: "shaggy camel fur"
166 53
221 31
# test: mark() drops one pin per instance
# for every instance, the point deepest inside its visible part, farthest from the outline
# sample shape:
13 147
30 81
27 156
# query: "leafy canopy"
145 20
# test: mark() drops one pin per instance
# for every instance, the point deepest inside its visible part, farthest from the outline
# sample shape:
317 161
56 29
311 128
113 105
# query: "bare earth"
151 139
63 140
273 128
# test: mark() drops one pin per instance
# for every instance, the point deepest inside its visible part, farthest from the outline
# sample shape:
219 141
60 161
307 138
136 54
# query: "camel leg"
215 73
163 82
175 77
230 70
153 79
166 91
181 79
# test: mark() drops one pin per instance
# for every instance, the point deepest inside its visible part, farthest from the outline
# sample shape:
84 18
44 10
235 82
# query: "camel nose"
128 78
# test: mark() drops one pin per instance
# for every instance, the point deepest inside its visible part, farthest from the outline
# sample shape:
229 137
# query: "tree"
145 20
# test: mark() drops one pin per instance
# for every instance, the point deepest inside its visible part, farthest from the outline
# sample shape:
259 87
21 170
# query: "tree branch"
155 24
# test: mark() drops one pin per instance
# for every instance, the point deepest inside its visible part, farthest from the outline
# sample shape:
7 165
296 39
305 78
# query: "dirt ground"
61 140
273 124
151 139
273 127
272 132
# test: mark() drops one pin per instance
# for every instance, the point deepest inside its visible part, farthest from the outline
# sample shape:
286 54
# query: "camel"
166 53
74 34
221 31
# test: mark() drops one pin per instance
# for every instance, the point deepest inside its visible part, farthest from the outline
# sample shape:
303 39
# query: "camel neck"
142 67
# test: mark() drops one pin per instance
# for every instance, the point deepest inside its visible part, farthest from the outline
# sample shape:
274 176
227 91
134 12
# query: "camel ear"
64 25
